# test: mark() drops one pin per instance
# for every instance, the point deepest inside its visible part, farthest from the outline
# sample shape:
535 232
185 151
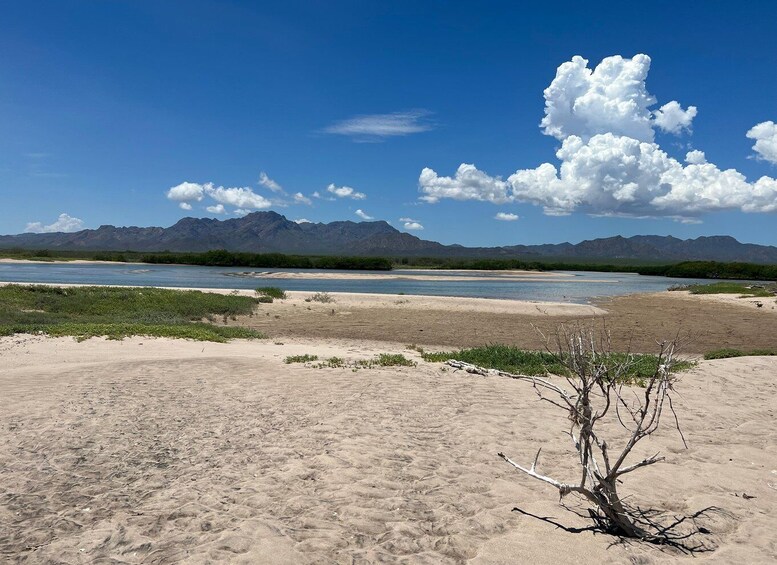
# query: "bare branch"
595 385
644 463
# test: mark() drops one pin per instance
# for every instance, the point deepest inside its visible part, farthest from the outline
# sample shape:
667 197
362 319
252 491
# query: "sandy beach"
166 451
162 451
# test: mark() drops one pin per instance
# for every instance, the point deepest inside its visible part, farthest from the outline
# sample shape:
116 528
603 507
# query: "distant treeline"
713 270
221 258
685 269
217 258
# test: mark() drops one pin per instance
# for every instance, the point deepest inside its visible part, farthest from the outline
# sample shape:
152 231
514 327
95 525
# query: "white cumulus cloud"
300 198
217 209
345 192
377 127
609 163
267 182
611 98
413 226
765 135
64 223
187 192
673 119
243 198
506 216
239 197
363 215
620 175
302 221
467 184
695 157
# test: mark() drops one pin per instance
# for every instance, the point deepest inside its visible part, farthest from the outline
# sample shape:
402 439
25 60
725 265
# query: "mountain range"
270 232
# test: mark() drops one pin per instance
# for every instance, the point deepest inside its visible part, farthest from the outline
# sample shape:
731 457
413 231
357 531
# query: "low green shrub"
742 289
727 353
300 358
272 292
116 312
535 363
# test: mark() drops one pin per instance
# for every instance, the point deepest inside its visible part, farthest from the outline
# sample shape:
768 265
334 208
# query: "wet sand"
636 322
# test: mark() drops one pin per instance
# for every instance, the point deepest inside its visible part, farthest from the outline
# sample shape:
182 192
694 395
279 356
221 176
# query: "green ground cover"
741 289
92 311
536 363
728 353
271 292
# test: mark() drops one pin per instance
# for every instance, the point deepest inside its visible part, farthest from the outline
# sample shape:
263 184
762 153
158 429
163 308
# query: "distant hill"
269 232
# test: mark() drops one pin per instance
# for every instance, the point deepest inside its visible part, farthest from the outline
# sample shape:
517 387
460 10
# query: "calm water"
586 285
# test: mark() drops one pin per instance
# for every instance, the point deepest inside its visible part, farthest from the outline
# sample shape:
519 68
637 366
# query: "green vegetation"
535 363
222 258
387 360
85 312
216 258
685 269
332 363
713 270
728 353
382 360
323 297
272 292
744 290
300 359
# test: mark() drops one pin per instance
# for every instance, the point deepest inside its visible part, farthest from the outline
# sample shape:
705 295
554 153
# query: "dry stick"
581 358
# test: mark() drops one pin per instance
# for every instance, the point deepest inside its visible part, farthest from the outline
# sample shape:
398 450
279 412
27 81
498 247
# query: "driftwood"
594 389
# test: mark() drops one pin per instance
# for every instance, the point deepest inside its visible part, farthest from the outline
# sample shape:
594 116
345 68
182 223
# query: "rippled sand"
161 451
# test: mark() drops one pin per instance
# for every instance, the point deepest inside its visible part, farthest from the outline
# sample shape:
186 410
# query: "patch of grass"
332 363
727 353
536 363
300 358
503 358
323 297
85 312
744 290
394 360
387 360
272 292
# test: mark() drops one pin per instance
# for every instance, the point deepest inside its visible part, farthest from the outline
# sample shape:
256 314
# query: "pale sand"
345 300
160 451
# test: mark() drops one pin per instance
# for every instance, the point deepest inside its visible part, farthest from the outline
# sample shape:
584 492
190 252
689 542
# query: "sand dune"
160 451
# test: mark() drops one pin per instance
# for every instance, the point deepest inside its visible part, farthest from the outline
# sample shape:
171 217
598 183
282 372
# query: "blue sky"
105 106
